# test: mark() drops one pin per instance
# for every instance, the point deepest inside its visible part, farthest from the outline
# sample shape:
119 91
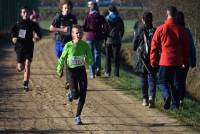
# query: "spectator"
192 59
142 44
95 27
113 42
171 41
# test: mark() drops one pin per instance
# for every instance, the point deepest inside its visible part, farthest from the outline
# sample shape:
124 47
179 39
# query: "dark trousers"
166 79
180 81
112 49
148 84
77 78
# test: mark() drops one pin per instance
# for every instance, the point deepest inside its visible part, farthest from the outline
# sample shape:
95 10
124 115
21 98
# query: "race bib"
22 33
77 61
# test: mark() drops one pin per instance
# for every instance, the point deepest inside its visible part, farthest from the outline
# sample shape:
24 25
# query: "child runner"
62 25
76 53
24 33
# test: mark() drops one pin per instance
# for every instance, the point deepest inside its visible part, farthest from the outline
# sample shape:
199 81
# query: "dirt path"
44 109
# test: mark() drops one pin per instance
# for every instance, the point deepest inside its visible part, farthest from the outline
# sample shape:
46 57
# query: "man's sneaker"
26 88
92 76
78 120
167 102
106 74
151 102
145 102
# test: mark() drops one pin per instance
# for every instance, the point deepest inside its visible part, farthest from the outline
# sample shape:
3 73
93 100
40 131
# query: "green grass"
45 24
129 25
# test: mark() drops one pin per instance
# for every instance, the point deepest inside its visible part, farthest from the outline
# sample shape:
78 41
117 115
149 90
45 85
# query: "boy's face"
66 9
24 14
77 34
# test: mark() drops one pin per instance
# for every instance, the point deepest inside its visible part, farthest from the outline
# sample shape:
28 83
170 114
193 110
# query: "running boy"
62 26
24 34
76 53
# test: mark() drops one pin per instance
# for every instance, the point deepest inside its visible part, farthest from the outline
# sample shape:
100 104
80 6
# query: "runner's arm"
14 34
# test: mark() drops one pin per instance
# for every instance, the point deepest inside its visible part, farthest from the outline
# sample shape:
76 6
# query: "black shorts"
24 53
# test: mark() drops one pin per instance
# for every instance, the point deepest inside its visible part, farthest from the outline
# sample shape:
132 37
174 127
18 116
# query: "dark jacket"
63 20
142 48
23 31
116 28
95 26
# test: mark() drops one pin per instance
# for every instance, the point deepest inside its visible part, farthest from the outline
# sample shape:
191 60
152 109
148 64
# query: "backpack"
145 47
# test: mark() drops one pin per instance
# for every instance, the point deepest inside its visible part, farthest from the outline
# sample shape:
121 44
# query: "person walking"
62 26
113 41
75 54
142 45
192 59
24 34
170 41
95 28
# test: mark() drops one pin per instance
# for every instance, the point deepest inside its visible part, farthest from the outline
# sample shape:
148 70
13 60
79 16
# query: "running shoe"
26 88
78 120
145 102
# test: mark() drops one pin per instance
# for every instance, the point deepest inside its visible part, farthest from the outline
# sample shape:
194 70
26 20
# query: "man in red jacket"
170 44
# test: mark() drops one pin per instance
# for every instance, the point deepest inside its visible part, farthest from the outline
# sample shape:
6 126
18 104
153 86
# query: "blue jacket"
116 28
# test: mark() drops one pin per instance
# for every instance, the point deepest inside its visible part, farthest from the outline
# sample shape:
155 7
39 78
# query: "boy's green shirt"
76 55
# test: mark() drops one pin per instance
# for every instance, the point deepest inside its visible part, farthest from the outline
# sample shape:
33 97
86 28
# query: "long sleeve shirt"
76 54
